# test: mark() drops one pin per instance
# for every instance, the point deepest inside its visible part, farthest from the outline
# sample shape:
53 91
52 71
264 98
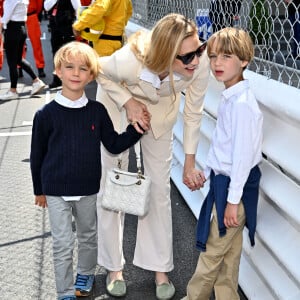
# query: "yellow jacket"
115 14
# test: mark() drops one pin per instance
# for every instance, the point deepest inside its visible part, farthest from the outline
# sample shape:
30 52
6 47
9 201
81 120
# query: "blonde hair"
159 49
231 40
79 50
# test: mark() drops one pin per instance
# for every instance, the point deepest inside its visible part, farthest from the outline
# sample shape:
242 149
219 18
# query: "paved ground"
26 269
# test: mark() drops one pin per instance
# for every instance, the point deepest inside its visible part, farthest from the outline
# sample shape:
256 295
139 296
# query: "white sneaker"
37 87
9 95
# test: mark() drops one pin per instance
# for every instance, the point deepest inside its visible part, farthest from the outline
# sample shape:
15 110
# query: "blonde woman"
149 74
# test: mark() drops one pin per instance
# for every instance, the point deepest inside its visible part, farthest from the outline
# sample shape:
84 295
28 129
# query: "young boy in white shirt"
232 167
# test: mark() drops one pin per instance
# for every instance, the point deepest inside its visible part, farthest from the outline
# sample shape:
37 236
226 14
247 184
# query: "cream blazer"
119 80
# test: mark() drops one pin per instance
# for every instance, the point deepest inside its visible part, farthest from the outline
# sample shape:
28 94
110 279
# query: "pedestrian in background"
148 74
62 14
66 166
34 32
115 14
294 17
13 24
232 167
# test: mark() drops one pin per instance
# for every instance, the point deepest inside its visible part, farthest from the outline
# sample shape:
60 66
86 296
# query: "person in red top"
85 2
1 8
34 33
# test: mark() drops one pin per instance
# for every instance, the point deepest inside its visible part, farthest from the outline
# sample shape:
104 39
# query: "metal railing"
266 20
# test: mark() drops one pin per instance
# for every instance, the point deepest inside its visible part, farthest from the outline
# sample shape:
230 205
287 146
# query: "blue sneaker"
70 297
84 284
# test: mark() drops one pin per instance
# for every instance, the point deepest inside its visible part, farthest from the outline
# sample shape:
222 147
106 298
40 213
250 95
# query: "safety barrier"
270 270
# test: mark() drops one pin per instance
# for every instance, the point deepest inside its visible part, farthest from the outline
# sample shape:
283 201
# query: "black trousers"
60 35
14 40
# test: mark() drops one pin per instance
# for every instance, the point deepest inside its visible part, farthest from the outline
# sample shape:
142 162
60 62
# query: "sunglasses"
188 58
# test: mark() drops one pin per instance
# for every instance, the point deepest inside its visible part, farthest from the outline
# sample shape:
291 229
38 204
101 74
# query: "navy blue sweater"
65 157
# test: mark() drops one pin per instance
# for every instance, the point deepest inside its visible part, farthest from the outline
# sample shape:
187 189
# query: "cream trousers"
153 249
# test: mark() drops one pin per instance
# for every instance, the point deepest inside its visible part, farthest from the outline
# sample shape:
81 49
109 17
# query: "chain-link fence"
273 27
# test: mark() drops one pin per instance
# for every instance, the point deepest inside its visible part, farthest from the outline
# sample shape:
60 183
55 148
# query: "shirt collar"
81 102
154 79
236 89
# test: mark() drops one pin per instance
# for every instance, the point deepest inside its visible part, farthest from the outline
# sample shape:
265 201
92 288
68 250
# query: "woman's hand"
138 115
194 179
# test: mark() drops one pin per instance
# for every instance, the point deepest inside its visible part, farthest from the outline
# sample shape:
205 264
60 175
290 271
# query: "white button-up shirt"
14 10
237 140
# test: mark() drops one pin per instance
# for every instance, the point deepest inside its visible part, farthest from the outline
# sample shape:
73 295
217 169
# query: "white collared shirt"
14 10
81 102
154 79
48 4
236 144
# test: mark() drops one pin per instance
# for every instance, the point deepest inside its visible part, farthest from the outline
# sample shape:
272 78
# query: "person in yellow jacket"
115 14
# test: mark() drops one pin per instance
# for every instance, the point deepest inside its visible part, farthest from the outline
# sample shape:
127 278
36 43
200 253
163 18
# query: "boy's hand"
138 115
230 216
41 201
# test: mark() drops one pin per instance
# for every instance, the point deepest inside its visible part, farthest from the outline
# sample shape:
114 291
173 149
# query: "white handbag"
126 191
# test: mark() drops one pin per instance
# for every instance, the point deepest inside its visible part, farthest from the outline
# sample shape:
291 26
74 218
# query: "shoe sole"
82 293
9 99
40 89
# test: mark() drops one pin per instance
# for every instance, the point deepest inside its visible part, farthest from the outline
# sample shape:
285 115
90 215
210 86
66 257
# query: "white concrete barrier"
270 270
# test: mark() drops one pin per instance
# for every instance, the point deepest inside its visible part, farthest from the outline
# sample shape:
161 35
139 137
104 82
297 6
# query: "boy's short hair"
232 40
79 50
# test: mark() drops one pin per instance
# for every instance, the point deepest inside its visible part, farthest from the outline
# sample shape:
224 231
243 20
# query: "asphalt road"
26 269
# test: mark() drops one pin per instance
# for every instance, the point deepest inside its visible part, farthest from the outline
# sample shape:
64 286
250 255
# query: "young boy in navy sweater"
232 167
65 164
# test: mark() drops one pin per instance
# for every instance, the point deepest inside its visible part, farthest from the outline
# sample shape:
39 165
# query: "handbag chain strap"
137 150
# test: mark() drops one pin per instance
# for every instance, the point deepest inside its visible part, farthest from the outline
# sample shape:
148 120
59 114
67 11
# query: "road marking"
27 123
6 134
43 37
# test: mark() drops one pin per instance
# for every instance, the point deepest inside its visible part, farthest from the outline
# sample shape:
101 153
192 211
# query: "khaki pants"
218 267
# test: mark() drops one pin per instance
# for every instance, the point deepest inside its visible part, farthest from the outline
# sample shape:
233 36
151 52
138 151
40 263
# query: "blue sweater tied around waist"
218 192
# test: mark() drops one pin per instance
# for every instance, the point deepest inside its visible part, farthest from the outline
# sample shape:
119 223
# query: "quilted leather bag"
127 192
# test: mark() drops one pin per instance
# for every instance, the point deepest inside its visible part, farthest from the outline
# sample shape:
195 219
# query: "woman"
13 22
148 74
